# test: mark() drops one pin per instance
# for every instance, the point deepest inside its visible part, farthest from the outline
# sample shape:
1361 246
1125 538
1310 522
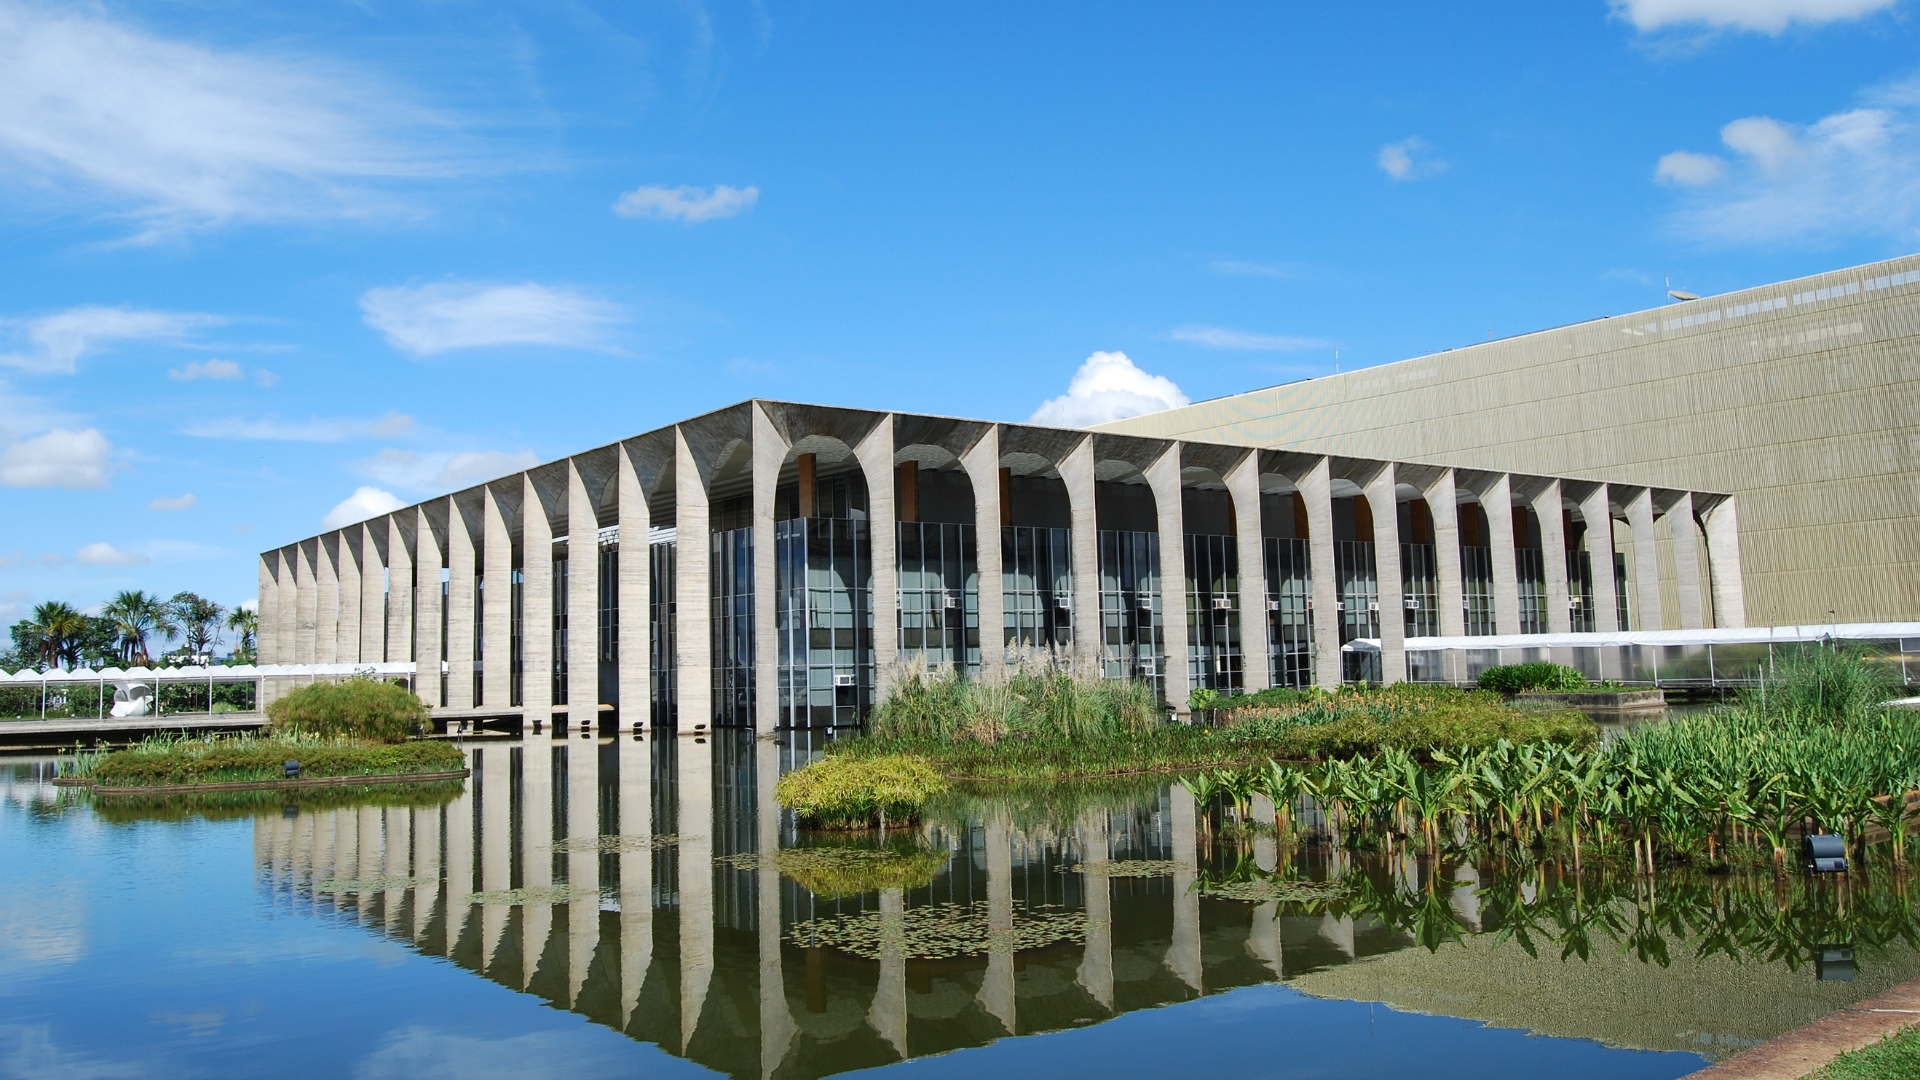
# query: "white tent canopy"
1753 635
235 673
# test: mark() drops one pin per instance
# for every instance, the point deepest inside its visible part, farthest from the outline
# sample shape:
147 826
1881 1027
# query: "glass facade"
662 626
1531 580
608 622
1289 613
1476 589
1419 584
1131 623
731 572
1214 660
559 625
939 594
515 597
1580 612
824 621
1358 584
1037 587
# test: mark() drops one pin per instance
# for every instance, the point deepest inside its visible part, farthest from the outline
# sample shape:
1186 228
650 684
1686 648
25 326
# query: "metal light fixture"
1824 854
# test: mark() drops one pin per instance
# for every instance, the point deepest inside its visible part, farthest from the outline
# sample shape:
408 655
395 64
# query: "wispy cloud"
207 369
442 471
176 134
1763 16
1245 268
364 503
688 204
1108 387
1688 169
1411 159
104 554
56 343
310 430
1220 337
59 458
438 317
172 504
1852 173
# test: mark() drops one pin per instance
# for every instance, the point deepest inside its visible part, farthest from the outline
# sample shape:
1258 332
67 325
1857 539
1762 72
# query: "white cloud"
263 377
1219 337
1244 268
1689 169
1411 159
442 471
1853 173
428 319
315 429
1108 387
107 555
421 1053
58 341
1765 16
59 458
206 369
172 504
179 134
688 204
364 503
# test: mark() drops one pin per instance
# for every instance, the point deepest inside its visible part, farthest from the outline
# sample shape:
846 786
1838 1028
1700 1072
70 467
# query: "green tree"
138 615
56 632
198 620
245 623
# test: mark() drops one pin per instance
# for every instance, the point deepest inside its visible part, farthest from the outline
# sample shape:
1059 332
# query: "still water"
588 908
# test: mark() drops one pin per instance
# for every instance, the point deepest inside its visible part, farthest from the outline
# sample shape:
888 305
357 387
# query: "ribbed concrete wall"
1802 399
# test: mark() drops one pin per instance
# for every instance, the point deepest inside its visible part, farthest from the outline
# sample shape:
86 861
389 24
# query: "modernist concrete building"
771 564
1801 399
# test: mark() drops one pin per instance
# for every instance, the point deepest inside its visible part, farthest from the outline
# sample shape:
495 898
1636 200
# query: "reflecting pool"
586 908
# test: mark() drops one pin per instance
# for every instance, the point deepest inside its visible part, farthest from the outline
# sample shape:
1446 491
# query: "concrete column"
1243 487
460 854
326 830
461 605
636 871
306 627
1316 490
536 849
1553 556
888 1015
583 601
1183 956
267 610
1096 962
1597 511
428 645
1264 938
1686 560
1723 563
326 637
1443 507
399 643
769 453
777 1028
496 620
536 609
583 862
287 626
1646 562
875 454
351 552
982 462
373 591
997 996
635 646
1076 470
426 868
397 821
1383 500
1497 500
696 882
693 589
1163 476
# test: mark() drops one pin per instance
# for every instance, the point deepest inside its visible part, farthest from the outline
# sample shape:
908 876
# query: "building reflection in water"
603 876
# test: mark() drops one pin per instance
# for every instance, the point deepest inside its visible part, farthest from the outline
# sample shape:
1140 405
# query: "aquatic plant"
832 871
941 931
843 791
1040 696
1539 675
161 760
361 708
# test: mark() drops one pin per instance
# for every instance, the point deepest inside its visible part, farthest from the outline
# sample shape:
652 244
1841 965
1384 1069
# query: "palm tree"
138 615
58 629
246 623
199 622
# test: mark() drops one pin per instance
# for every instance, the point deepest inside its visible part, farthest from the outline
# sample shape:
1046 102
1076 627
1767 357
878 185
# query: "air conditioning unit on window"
1222 603
951 600
1063 602
843 678
1373 605
1273 605
1412 604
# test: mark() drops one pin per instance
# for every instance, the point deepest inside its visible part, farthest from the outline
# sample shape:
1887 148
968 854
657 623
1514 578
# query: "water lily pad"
372 884
552 894
617 843
1126 868
1261 891
941 932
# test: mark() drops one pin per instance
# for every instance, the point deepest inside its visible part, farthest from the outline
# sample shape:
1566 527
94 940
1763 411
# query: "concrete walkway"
1803 1050
66 731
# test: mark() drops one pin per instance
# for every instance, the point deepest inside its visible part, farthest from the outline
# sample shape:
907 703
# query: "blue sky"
263 261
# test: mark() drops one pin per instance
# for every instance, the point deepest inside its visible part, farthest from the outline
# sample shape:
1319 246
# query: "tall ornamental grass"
358 708
1038 698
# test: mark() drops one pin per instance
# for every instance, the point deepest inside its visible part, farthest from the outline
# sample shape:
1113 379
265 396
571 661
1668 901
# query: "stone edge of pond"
313 782
1807 1049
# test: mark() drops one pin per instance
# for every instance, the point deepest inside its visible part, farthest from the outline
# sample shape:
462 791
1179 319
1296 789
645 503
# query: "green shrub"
1040 700
226 759
1519 678
1414 717
1830 683
846 792
357 708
